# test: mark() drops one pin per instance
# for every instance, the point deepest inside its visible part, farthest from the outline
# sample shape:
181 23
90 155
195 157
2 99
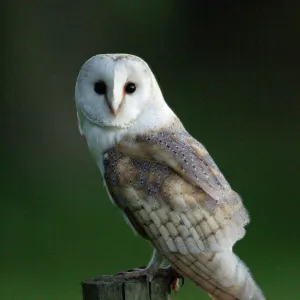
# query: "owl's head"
112 90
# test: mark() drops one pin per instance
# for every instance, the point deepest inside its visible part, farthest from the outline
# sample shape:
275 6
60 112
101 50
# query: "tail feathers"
222 275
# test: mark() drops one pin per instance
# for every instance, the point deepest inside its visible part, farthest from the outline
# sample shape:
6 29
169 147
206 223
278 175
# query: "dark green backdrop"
231 73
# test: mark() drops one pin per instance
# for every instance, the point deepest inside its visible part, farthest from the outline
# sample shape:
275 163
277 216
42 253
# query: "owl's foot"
148 272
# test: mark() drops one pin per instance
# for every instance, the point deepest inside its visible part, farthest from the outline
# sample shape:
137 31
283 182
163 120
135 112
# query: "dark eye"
130 88
100 87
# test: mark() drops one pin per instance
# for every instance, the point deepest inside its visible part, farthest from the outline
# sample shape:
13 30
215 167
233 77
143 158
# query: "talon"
182 279
175 284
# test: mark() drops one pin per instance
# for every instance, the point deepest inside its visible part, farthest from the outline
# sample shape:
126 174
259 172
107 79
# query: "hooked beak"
114 97
114 111
114 106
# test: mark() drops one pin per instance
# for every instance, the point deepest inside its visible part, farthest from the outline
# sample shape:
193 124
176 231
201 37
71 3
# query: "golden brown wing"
175 196
169 178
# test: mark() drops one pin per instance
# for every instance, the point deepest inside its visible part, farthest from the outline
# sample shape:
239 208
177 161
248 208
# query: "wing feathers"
175 196
158 177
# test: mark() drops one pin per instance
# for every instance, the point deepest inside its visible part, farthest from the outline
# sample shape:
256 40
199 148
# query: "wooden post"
109 287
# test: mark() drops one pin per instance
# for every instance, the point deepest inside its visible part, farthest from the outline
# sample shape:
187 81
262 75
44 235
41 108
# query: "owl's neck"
155 117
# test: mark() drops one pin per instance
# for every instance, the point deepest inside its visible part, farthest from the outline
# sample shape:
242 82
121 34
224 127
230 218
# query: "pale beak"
114 98
114 106
114 111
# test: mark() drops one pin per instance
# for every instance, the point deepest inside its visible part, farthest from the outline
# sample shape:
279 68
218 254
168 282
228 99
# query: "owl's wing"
173 192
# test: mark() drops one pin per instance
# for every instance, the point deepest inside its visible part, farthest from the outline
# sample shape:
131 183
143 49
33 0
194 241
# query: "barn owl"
166 183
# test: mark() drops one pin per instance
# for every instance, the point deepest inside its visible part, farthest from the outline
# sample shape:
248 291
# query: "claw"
150 273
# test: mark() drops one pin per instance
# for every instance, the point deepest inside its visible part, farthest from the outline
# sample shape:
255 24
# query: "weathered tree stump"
109 287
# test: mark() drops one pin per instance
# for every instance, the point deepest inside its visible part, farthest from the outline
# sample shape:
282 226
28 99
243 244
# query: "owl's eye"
130 88
100 88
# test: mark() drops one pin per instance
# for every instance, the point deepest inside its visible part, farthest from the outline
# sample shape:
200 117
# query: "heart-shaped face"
112 90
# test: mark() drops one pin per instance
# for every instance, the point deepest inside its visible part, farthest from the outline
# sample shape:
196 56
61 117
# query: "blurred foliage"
229 69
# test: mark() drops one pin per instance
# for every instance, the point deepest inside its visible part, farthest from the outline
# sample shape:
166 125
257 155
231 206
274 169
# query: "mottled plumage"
169 187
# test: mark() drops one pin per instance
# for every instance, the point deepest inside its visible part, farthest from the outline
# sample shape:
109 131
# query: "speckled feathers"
163 172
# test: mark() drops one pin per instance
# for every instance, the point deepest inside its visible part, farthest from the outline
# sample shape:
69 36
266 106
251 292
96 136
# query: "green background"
230 71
